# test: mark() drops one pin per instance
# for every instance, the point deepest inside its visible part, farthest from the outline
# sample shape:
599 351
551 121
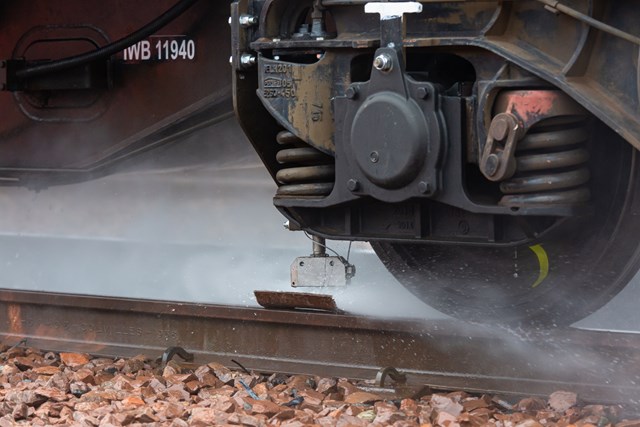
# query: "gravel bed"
75 389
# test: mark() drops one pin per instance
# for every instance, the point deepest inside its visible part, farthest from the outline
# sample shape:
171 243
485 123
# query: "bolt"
247 60
424 187
491 164
352 92
463 227
353 185
500 129
374 156
383 62
423 93
247 20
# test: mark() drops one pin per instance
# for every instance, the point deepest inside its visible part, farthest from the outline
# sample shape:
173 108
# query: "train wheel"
572 271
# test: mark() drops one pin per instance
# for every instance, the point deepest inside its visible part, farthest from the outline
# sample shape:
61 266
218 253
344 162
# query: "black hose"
110 49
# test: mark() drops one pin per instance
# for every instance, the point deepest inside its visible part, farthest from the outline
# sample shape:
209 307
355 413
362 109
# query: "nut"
383 62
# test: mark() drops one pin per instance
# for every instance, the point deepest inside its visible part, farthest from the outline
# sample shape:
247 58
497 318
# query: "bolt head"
383 62
423 93
463 227
352 92
424 187
491 165
499 129
374 156
247 20
353 185
247 60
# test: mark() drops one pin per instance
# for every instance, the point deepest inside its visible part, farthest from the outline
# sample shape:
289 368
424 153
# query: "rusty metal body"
473 52
374 121
72 126
463 133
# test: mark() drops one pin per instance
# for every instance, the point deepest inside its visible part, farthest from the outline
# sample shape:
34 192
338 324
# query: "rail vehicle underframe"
483 126
486 149
402 139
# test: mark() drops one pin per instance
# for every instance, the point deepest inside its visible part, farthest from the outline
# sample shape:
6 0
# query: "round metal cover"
389 139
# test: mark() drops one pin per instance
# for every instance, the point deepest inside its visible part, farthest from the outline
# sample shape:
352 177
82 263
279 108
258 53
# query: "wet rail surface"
600 366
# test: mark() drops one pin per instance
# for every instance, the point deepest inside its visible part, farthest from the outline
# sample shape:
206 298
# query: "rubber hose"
109 49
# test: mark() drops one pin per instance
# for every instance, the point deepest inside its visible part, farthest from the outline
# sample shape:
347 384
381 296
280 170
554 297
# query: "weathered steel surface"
74 136
597 365
291 300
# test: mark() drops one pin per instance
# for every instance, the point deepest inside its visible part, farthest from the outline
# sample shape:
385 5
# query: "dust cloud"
193 222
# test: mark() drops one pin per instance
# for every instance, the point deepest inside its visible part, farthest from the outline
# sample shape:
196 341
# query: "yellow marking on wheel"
543 260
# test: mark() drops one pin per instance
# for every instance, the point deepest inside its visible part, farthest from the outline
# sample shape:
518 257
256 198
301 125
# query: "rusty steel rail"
599 366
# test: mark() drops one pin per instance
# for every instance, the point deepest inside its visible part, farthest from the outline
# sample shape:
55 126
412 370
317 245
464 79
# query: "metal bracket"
392 25
320 270
170 352
391 372
393 10
94 75
241 21
498 162
314 271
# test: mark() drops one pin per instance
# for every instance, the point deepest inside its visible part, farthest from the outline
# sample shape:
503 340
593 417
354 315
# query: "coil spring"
551 166
306 172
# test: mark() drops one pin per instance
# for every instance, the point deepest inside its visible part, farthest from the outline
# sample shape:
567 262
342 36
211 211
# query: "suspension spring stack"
537 149
551 165
306 172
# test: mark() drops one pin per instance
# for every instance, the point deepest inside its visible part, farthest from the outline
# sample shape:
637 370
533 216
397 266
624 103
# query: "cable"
350 269
109 49
323 245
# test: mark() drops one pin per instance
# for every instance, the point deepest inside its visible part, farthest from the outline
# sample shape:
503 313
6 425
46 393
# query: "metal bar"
554 5
319 246
599 366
